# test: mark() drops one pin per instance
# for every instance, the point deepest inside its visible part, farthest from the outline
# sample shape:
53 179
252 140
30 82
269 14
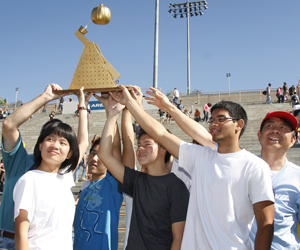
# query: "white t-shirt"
182 174
286 186
224 189
175 93
48 199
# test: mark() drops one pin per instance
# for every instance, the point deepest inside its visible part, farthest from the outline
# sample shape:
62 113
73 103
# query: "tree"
3 101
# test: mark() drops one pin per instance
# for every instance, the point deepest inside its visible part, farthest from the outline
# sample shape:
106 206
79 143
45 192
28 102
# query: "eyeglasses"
220 119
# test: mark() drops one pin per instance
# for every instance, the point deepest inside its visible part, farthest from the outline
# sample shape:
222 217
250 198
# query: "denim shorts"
6 243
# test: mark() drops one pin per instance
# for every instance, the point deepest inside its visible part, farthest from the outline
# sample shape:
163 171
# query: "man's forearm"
191 127
264 236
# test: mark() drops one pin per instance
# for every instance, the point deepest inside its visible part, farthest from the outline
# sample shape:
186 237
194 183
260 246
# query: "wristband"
82 108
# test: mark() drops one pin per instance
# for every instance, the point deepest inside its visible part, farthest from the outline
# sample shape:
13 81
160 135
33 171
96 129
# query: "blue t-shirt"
286 186
16 163
97 215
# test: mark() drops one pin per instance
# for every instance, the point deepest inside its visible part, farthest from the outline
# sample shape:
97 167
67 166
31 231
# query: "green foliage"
170 93
3 101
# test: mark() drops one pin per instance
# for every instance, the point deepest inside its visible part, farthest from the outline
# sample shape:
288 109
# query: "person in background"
161 116
82 164
2 176
206 109
180 106
285 91
175 96
279 95
268 90
197 117
51 116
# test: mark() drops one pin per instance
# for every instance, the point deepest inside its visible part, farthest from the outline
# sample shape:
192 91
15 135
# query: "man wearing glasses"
229 184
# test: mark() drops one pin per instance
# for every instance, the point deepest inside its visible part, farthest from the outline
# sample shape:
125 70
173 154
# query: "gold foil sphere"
101 15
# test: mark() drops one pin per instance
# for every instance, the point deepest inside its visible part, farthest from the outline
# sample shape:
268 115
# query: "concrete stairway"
256 112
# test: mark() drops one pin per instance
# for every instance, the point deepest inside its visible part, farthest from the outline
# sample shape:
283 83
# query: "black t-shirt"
158 202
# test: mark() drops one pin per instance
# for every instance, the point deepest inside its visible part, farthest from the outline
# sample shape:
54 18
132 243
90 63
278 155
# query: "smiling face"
148 150
224 131
55 149
276 135
96 167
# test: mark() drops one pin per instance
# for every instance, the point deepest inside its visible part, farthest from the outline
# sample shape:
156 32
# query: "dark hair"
209 104
287 122
95 143
64 130
142 132
234 109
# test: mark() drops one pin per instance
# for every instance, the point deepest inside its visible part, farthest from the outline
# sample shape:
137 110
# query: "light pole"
228 76
155 63
188 9
17 90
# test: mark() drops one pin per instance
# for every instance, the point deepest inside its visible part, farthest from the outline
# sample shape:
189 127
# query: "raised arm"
19 116
82 136
152 127
104 99
105 152
192 128
128 156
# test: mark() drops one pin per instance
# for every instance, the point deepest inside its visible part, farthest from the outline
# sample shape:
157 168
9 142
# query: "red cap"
282 114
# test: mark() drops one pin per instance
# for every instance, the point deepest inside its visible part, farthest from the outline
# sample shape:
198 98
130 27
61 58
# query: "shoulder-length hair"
64 130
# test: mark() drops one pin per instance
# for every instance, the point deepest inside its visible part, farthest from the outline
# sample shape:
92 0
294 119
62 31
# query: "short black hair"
97 142
64 130
142 132
235 110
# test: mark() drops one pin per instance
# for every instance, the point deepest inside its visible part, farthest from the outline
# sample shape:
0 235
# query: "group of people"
211 194
206 110
4 113
284 93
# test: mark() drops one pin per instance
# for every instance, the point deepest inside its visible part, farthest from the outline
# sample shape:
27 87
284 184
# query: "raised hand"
113 107
49 91
104 98
87 98
121 96
158 99
137 95
81 99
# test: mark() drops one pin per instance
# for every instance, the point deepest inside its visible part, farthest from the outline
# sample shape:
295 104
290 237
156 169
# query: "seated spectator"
197 117
186 112
279 95
44 110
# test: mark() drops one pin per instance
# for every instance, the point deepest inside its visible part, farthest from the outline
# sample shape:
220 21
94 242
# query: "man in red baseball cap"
276 135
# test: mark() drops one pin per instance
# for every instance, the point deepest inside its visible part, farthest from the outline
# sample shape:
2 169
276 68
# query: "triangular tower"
93 70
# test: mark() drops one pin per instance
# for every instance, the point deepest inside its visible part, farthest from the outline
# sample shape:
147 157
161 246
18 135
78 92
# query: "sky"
257 42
